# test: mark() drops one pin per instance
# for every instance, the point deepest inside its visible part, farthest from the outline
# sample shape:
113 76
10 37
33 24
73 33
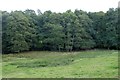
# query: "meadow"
46 64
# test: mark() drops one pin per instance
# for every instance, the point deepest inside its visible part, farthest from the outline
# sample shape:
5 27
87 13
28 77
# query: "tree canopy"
67 31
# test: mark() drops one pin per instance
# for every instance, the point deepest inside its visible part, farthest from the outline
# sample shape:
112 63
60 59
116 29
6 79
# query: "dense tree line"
67 31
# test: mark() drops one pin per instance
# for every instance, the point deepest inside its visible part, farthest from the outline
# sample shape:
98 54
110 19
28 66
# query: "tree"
67 31
5 45
87 40
31 35
110 34
118 28
98 27
50 32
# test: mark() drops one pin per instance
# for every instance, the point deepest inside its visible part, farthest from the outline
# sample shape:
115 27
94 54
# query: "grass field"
44 64
0 65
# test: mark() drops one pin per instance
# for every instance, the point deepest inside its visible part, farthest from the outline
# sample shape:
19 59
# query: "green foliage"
106 29
15 32
68 31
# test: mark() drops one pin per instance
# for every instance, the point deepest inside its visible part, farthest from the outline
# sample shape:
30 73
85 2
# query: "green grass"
44 64
0 66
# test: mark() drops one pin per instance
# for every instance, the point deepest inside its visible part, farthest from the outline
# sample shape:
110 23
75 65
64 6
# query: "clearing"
46 64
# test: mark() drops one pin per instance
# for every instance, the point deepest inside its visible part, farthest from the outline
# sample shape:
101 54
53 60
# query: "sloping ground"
85 64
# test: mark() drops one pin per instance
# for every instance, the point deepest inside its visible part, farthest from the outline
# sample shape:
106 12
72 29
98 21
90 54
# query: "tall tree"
87 40
67 31
16 28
